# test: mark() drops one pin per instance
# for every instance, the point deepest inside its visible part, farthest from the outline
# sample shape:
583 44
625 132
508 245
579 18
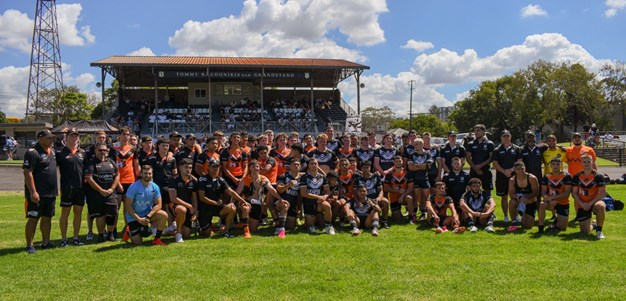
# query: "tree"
425 122
3 117
614 86
435 110
110 96
67 104
371 117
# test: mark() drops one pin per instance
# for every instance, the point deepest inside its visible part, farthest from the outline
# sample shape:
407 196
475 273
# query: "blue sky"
448 47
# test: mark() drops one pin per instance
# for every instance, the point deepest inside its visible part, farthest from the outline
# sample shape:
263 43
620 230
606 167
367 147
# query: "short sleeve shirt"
43 165
143 198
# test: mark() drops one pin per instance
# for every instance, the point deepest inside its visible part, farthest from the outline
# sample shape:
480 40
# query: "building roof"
142 71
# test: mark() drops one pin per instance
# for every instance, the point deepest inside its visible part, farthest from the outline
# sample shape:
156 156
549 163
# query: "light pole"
411 106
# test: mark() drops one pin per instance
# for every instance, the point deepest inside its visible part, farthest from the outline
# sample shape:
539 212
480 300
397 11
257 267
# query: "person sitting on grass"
555 189
185 199
399 187
143 208
363 212
523 191
588 189
437 207
478 206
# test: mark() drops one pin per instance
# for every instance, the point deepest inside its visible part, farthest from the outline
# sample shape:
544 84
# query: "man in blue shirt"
143 208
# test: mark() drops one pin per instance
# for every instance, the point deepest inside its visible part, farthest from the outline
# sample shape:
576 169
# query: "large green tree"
371 117
71 105
424 122
614 86
110 95
3 117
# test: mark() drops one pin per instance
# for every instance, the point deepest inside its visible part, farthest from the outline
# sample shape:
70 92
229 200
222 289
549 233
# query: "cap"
45 134
577 134
175 134
505 133
529 133
73 131
146 138
551 137
451 133
189 136
214 163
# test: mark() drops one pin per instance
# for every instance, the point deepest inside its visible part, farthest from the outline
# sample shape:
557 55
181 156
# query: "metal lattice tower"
45 62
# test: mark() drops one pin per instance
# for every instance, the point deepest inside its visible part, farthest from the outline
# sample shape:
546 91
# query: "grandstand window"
232 89
200 93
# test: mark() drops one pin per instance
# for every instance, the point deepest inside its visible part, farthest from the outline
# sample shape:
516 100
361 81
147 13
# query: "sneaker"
90 236
228 235
412 220
375 232
31 250
490 229
506 219
312 229
170 230
276 231
48 246
63 244
512 228
264 222
551 229
518 218
77 242
600 235
385 225
246 232
473 229
112 238
438 230
179 237
356 232
330 230
158 242
459 230
281 233
126 236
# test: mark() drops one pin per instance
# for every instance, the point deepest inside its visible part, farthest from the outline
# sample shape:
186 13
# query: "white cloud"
275 28
13 90
84 81
418 45
143 51
613 7
17 28
533 10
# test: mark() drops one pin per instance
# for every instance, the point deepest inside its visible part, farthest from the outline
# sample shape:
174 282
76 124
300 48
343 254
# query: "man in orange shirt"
588 190
574 155
234 162
128 167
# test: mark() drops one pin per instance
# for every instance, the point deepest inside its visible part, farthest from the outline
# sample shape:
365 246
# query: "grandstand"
197 95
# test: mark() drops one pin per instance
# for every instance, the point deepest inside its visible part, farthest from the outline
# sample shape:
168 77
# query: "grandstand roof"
142 70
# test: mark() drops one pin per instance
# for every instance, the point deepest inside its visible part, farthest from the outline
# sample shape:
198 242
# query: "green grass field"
402 264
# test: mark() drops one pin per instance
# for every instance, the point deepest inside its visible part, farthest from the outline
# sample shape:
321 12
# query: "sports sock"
282 220
375 224
158 234
353 224
244 221
598 228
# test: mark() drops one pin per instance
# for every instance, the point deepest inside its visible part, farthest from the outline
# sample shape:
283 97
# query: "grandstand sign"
353 125
233 74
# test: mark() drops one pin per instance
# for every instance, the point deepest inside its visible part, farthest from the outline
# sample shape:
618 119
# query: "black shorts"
188 217
206 214
125 187
442 218
562 210
583 215
138 229
531 209
293 210
395 206
502 184
486 178
44 208
256 211
432 179
309 206
421 183
72 197
98 209
165 197
362 219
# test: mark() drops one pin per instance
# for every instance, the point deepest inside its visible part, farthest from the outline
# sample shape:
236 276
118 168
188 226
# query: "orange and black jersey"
397 180
205 158
282 158
588 185
346 184
124 157
235 159
345 153
272 173
556 185
309 148
374 184
440 203
254 191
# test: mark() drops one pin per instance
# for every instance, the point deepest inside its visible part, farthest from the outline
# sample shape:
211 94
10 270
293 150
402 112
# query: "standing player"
234 162
504 156
419 165
210 155
70 161
191 149
574 155
383 157
434 169
102 178
399 187
456 182
183 195
128 167
363 212
332 144
100 137
314 190
556 187
523 191
478 207
326 158
143 208
588 190
438 206
365 153
40 180
345 151
452 149
281 154
479 155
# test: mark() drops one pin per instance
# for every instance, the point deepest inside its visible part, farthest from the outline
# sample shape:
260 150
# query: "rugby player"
143 209
588 190
523 191
478 207
363 212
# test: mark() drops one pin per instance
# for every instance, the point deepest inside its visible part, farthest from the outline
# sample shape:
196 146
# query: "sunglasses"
103 150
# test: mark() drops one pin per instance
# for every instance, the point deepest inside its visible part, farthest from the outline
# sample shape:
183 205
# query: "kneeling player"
399 187
288 185
363 211
143 208
183 195
588 190
478 207
523 191
437 207
555 189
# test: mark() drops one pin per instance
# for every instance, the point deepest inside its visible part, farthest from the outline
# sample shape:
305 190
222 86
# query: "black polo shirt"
456 184
103 173
434 155
142 157
480 150
213 189
184 189
44 168
450 152
162 169
71 167
185 152
532 158
506 157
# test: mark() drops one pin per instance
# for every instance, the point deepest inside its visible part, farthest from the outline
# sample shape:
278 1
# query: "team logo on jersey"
476 203
323 157
387 155
420 159
315 183
365 156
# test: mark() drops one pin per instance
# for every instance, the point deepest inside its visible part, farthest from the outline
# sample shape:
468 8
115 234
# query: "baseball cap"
175 134
505 133
189 136
451 133
577 134
146 138
551 137
45 134
72 131
214 163
529 133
